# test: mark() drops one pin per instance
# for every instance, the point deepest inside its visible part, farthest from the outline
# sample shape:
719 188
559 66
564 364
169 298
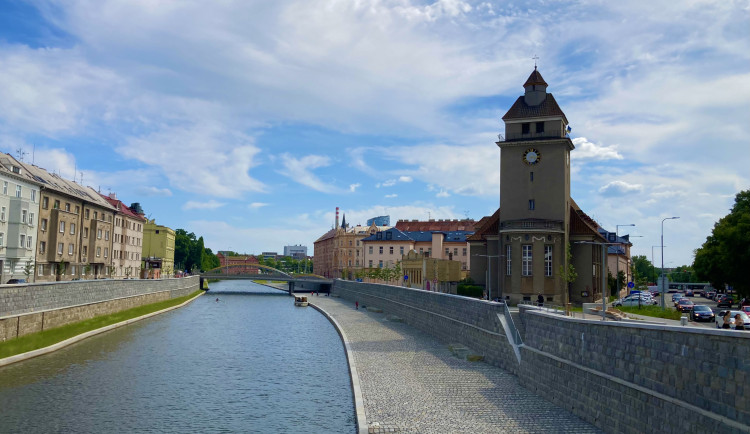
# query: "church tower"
534 196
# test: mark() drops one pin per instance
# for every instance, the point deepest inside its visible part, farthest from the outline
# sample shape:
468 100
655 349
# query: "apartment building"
74 232
158 250
19 209
339 251
127 240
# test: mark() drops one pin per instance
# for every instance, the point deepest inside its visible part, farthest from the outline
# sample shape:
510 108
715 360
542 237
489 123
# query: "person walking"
727 318
356 305
540 300
738 323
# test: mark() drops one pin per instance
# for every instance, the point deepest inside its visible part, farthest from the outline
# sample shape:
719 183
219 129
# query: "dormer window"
16 169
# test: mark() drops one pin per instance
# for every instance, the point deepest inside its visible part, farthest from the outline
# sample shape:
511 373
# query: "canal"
251 362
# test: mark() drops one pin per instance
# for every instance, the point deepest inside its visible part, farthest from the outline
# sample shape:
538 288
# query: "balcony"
547 134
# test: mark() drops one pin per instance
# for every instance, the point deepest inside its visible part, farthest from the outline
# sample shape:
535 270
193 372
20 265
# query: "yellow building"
158 250
433 274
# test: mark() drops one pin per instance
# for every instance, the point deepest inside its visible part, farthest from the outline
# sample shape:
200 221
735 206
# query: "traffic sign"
631 285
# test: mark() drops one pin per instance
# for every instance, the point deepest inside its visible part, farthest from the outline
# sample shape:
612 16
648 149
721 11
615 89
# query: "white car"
634 301
720 318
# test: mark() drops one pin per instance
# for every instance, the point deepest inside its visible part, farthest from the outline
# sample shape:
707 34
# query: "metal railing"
547 307
516 334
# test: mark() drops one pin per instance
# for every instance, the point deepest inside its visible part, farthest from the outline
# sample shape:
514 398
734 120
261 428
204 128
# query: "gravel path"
411 383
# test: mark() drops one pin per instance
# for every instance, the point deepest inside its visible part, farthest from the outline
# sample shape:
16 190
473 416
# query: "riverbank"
47 341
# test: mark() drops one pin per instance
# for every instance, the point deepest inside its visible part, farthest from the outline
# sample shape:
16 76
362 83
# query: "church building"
521 250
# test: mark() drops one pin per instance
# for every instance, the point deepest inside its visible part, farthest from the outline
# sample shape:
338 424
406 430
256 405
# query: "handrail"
516 334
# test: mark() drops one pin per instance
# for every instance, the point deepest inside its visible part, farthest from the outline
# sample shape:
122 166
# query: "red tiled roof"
122 208
548 107
486 226
436 225
535 78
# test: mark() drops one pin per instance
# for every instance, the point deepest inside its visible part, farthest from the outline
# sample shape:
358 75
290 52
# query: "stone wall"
450 318
31 308
620 376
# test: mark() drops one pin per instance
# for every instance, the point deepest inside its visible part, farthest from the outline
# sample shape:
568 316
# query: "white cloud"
257 205
154 191
388 183
404 178
211 204
620 188
354 187
587 150
300 170
443 193
392 195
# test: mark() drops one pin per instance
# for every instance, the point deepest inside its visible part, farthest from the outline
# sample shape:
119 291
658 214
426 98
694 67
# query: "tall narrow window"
508 251
31 218
18 191
5 187
531 204
2 214
531 176
548 261
540 127
29 242
526 260
62 227
72 229
525 128
24 216
33 195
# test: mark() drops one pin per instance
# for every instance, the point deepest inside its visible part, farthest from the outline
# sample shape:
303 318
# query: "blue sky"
249 122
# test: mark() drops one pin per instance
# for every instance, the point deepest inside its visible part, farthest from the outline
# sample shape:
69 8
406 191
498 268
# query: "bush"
470 291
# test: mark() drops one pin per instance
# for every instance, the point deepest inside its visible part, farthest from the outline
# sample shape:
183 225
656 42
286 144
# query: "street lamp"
653 264
617 256
488 271
604 268
663 289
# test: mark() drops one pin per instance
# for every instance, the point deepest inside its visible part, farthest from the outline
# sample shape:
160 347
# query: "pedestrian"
540 300
727 318
356 305
738 323
217 300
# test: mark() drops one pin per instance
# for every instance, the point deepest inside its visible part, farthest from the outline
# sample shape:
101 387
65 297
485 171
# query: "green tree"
643 268
28 269
723 258
568 274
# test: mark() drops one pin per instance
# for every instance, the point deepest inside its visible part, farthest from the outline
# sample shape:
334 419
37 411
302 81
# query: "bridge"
296 282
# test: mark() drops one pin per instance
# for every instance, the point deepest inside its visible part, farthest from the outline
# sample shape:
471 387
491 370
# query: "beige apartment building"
339 251
127 240
74 232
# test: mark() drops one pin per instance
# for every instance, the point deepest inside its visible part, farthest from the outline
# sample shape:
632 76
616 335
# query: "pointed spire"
535 79
343 222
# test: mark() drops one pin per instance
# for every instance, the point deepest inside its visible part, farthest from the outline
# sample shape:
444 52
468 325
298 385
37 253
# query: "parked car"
725 301
710 295
702 312
732 313
684 305
676 297
15 281
689 293
634 301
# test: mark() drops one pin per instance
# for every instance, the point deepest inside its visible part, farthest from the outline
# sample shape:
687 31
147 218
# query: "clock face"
531 156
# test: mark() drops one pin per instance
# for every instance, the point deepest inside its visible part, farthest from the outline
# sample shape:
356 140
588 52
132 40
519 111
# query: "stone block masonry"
31 308
622 377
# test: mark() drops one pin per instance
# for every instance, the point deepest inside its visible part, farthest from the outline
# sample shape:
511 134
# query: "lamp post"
487 273
604 268
617 257
653 264
662 291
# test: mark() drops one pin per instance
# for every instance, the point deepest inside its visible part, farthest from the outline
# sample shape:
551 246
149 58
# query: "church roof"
548 107
535 78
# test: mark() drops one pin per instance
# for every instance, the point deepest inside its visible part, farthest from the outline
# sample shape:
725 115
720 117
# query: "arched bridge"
296 282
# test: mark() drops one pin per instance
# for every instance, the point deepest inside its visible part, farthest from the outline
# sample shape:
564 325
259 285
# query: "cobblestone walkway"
411 383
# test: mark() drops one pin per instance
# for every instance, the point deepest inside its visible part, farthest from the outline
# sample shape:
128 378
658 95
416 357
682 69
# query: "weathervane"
535 59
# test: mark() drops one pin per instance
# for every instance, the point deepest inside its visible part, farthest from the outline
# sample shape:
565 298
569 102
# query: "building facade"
528 239
339 253
19 210
296 251
237 264
158 250
127 240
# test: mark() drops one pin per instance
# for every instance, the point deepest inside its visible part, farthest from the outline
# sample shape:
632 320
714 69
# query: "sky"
249 122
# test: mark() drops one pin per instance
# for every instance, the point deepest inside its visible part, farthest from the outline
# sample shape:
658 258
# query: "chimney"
113 196
337 217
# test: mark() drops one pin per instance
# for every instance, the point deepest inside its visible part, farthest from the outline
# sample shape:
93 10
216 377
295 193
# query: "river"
251 362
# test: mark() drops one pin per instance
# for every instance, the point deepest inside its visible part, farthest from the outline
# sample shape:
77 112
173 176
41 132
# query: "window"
18 191
56 204
67 207
70 249
421 250
42 247
44 224
45 202
507 260
72 229
390 250
85 232
380 250
447 252
24 216
531 204
78 209
31 218
380 264
350 244
106 253
2 235
23 240
62 227
98 234
370 264
548 261
5 187
401 250
370 250
455 251
531 176
463 252
29 242
96 215
98 251
87 214
2 214
525 129
72 270
106 235
540 127
33 195
526 260
60 247
40 270
84 250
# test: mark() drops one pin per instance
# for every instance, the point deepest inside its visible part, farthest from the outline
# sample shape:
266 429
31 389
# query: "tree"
723 258
28 269
643 268
568 274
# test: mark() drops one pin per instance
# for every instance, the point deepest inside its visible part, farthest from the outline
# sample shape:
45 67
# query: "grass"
35 341
654 311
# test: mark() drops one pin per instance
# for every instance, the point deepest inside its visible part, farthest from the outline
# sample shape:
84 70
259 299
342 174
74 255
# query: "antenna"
33 151
81 177
21 153
75 169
